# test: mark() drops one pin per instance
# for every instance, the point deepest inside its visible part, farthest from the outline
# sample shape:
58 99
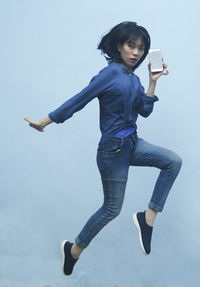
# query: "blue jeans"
113 159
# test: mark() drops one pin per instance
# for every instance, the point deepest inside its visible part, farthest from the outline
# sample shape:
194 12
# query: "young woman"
121 97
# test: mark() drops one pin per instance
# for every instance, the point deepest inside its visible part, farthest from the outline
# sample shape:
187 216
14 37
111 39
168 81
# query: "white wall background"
49 182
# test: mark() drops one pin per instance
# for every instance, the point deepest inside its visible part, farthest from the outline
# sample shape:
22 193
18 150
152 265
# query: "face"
131 52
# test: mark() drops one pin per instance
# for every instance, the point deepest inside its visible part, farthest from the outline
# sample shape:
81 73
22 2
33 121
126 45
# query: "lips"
133 60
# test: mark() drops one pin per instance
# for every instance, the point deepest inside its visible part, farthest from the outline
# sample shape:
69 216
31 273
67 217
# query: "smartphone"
155 58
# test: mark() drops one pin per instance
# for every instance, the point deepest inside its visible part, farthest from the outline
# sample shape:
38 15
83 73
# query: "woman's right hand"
39 125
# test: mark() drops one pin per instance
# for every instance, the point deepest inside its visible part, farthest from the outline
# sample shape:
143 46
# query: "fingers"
34 124
27 119
156 75
149 66
40 130
165 73
31 123
164 66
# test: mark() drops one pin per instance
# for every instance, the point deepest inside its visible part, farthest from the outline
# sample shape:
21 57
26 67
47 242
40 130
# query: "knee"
111 213
176 162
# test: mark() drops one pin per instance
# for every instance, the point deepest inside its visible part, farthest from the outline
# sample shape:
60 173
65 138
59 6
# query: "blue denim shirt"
121 98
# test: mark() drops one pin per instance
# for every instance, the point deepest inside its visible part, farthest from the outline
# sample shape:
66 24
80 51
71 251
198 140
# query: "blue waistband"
125 132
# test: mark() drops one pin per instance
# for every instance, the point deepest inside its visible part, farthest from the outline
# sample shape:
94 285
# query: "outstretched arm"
99 83
39 125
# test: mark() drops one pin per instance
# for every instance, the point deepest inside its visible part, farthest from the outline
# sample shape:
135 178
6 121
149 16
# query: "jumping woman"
121 98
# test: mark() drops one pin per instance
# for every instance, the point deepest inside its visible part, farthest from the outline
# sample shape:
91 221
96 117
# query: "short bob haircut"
126 31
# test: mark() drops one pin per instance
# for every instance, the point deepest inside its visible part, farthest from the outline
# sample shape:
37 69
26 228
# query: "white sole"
135 221
63 253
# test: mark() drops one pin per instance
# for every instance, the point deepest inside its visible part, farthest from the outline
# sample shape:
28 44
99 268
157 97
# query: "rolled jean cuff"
79 243
155 207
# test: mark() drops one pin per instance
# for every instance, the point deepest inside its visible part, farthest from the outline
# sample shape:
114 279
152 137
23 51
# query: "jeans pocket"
112 146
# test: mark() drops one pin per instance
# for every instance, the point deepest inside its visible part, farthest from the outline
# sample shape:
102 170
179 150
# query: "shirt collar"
121 67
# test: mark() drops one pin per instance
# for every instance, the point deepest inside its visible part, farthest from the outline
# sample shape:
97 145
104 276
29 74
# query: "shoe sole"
135 221
63 252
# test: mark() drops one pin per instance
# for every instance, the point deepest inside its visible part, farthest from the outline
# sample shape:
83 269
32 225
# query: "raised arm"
146 101
153 77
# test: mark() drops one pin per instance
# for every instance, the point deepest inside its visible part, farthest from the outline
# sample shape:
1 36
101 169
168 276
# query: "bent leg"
146 154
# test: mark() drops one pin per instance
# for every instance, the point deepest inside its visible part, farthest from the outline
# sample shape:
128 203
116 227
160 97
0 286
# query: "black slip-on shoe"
144 230
68 259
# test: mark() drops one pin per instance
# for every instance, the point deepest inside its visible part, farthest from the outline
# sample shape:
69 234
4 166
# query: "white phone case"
155 58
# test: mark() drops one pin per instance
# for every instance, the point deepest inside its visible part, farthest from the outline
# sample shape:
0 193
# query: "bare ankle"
150 216
76 251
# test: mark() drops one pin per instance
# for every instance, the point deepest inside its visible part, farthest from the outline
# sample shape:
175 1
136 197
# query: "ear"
119 47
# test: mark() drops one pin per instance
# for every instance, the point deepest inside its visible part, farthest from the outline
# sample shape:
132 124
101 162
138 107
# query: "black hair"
119 34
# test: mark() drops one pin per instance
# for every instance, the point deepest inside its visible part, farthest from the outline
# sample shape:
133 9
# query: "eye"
131 45
141 49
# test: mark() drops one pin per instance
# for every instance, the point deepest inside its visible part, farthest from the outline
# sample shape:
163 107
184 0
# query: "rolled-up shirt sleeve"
145 103
98 84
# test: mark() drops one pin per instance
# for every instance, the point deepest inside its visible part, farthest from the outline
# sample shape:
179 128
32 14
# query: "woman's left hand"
155 75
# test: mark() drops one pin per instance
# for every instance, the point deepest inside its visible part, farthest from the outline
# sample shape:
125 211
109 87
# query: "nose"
135 51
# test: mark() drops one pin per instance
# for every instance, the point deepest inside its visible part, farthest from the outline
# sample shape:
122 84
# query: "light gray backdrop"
49 182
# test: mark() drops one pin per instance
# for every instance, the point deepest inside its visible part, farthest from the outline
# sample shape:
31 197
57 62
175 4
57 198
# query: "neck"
130 69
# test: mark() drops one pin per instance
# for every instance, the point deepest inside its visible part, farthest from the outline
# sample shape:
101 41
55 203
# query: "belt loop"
133 139
122 141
